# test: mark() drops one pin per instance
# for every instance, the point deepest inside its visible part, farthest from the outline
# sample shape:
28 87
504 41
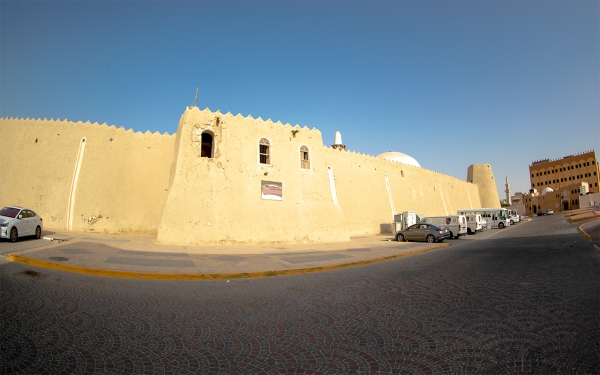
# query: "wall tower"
482 176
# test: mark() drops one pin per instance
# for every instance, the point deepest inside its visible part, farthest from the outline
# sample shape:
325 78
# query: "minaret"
507 191
337 141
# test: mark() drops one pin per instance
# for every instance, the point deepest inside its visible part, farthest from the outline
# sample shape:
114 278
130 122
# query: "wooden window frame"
265 151
304 157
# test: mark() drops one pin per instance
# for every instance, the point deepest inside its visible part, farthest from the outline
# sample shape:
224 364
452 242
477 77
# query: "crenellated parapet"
87 125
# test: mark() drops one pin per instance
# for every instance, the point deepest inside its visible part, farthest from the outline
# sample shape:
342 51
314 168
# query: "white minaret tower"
507 191
337 141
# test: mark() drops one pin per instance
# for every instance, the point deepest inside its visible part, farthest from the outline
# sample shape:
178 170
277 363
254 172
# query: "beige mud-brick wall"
363 194
218 200
482 176
121 185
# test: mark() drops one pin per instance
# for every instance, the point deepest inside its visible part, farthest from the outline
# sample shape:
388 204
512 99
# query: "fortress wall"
218 200
364 199
150 183
482 176
121 183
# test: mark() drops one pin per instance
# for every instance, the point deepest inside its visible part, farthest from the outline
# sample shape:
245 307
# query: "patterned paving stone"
524 301
22 244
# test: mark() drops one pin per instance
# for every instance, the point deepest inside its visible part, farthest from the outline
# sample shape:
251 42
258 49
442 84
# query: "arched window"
264 151
304 158
206 150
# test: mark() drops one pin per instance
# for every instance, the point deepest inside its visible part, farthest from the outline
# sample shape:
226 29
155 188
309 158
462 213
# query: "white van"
457 224
512 216
474 223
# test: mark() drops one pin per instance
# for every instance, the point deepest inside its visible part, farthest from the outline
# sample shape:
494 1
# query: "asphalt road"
523 300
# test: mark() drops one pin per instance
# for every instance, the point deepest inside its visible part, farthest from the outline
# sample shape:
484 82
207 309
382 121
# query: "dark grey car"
423 232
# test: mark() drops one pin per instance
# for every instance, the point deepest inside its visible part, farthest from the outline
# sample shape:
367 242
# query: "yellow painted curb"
597 248
575 220
585 235
204 276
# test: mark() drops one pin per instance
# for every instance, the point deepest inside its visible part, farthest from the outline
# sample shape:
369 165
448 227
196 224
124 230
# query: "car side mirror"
20 217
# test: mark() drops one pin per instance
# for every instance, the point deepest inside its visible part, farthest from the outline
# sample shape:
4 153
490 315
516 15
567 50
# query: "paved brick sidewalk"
592 229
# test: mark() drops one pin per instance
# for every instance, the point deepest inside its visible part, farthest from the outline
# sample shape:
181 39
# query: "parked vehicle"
457 224
18 222
474 224
495 217
423 232
513 217
550 212
540 213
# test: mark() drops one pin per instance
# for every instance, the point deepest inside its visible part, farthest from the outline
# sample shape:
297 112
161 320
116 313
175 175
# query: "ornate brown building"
557 184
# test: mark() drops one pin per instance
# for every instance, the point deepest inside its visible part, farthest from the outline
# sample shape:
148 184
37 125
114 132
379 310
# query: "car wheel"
400 238
512 222
501 225
14 234
469 231
430 238
38 232
451 235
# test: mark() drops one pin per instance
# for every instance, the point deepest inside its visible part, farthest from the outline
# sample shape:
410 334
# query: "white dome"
547 190
399 157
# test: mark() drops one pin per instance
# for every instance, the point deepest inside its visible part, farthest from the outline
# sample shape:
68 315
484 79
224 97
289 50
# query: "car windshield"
9 212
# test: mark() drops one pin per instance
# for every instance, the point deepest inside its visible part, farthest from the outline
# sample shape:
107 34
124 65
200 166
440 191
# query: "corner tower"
482 176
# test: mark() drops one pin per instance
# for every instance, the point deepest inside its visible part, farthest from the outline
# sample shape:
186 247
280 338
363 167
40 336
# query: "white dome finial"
337 140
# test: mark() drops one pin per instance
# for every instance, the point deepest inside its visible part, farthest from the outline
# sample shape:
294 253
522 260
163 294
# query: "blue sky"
450 83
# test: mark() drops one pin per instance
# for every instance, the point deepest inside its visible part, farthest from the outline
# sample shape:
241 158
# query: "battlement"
225 117
369 157
543 161
51 122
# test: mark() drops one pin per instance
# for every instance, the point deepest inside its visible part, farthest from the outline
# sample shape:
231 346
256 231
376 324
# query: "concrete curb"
584 234
204 276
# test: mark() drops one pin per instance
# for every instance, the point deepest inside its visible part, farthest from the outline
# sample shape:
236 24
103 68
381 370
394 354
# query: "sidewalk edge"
203 276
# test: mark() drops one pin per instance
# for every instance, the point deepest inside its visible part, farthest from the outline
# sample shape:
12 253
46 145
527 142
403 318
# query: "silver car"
423 232
18 222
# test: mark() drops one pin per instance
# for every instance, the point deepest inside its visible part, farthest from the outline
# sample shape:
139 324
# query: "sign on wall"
271 190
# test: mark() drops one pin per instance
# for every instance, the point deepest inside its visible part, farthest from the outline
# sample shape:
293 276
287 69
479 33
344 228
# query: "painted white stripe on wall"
332 185
443 199
389 191
469 195
71 204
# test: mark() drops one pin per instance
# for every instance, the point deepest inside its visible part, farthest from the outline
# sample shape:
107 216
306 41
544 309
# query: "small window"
206 150
264 150
304 159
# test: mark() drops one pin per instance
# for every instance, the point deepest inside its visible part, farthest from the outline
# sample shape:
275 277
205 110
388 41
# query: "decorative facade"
558 184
